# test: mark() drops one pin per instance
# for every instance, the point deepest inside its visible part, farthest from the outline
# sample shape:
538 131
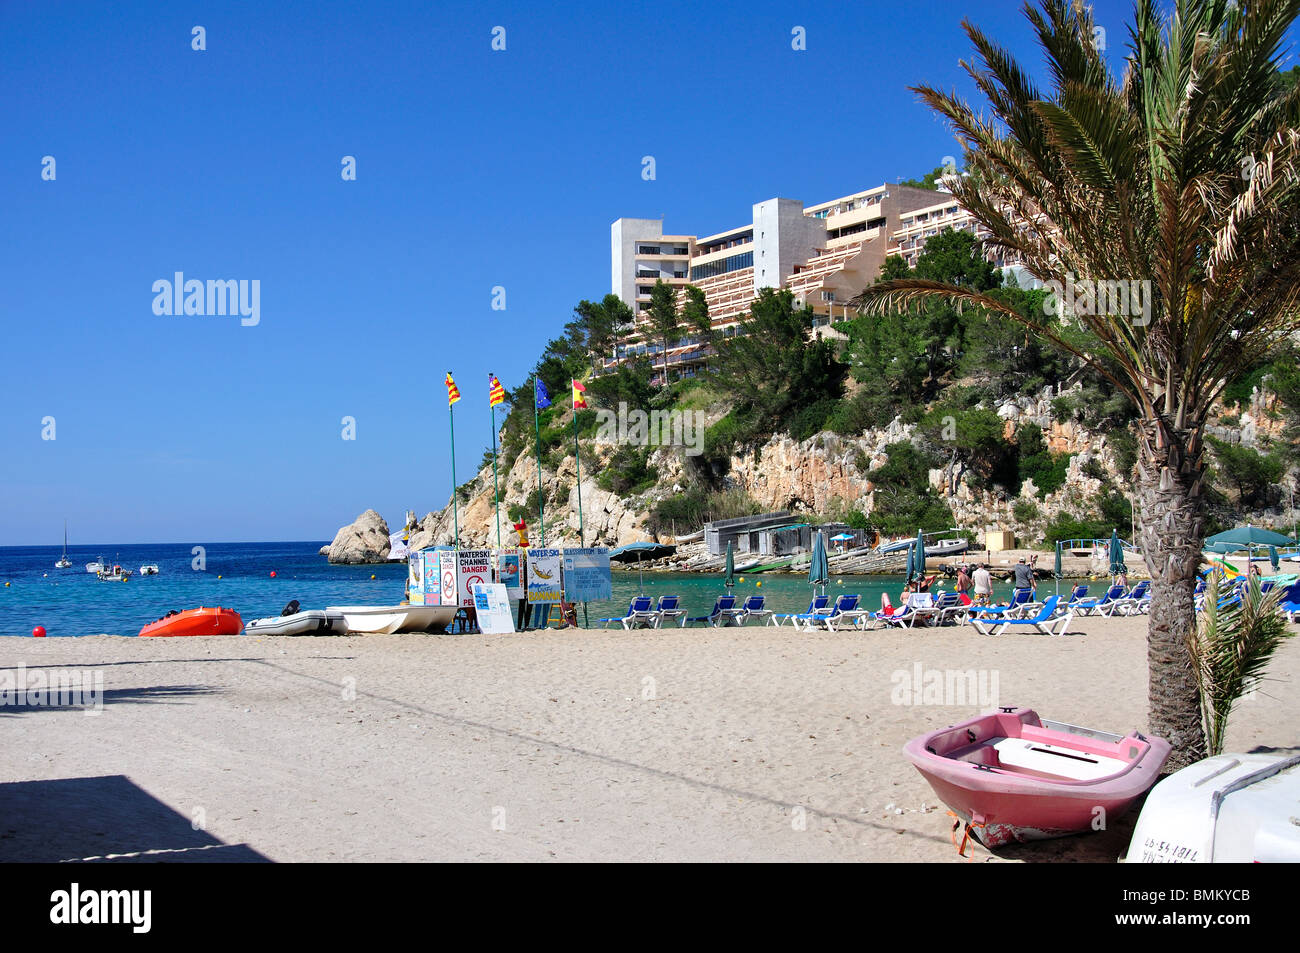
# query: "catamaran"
65 562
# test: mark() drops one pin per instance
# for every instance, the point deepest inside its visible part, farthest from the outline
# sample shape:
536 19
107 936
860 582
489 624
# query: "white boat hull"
312 622
387 620
1233 808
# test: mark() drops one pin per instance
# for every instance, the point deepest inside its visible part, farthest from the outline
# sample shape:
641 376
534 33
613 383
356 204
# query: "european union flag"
543 398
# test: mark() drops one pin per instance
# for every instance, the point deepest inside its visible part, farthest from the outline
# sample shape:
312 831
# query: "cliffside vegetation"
942 368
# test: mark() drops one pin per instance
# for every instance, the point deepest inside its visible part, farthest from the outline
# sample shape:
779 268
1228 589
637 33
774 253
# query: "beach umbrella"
819 570
1116 555
919 557
1273 558
1244 537
1247 538
639 553
1056 571
729 577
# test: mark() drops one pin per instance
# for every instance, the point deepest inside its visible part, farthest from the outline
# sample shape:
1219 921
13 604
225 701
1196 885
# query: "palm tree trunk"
1171 470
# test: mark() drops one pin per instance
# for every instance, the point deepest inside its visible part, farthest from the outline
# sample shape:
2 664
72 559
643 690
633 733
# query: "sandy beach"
674 745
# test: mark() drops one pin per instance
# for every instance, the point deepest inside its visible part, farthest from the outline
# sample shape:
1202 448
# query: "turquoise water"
69 602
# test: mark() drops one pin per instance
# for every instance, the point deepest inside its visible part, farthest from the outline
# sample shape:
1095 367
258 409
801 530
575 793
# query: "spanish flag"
579 402
453 392
496 393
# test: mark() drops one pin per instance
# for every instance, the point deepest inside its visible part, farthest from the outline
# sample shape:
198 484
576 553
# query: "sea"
72 602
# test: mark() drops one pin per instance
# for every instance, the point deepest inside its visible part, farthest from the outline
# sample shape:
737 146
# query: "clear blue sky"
475 168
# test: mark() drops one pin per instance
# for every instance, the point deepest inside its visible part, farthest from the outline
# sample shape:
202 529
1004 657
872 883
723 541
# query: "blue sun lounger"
1048 621
639 613
724 612
669 609
818 602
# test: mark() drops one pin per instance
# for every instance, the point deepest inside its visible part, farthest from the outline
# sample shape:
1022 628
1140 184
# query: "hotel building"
825 254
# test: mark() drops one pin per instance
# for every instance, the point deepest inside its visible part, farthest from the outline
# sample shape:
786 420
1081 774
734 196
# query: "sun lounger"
1099 606
779 618
639 613
845 612
753 609
948 608
1289 604
1048 621
919 607
1019 599
1137 600
670 610
724 612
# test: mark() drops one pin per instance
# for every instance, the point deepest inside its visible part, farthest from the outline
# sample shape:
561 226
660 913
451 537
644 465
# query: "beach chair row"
1052 616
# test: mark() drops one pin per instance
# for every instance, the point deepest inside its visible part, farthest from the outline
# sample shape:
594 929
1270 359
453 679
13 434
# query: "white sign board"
492 609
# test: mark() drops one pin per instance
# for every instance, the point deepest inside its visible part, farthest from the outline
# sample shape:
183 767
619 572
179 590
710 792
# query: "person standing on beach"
983 585
1023 575
963 581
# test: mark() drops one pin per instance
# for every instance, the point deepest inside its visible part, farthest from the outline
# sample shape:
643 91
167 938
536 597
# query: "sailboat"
65 562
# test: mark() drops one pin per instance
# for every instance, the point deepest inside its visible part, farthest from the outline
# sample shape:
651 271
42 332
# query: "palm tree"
1181 176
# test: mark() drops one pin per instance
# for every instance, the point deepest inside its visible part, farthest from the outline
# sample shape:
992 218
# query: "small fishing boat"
149 570
1232 808
293 621
200 621
946 547
386 620
115 573
64 562
96 567
1010 776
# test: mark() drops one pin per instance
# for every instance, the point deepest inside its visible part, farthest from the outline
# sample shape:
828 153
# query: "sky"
475 168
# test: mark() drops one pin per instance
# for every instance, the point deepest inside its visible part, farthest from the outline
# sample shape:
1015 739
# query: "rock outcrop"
825 475
365 540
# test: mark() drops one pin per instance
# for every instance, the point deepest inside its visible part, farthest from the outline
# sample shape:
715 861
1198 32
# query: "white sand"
584 745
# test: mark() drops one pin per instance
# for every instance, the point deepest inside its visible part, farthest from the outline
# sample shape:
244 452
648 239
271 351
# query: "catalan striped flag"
496 393
579 402
453 392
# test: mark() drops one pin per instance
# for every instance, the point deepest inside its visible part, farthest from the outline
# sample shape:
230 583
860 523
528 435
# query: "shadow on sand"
108 819
145 695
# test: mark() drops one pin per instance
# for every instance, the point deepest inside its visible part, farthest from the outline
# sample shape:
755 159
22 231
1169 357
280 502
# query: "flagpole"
455 509
577 459
537 427
496 489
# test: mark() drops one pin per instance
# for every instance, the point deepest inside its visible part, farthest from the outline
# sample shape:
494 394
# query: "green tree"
663 317
1184 175
773 369
929 181
1252 473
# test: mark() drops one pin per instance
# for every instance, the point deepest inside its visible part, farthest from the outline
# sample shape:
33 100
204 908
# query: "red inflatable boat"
198 621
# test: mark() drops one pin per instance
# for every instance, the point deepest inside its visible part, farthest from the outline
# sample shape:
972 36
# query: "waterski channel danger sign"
475 566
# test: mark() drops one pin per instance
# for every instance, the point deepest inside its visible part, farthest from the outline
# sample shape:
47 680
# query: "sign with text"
475 569
447 577
586 575
492 609
544 581
510 572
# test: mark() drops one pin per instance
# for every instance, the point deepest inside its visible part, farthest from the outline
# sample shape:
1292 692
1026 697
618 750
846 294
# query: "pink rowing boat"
1010 776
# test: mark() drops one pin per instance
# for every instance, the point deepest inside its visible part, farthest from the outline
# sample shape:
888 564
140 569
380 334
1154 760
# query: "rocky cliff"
822 475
